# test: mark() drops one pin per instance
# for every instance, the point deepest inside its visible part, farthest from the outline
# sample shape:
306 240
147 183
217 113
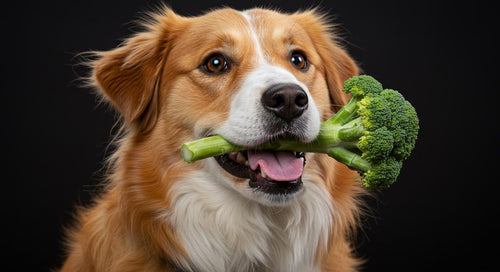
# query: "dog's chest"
221 231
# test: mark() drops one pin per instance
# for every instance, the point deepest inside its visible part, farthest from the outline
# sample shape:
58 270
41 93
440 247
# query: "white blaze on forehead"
255 38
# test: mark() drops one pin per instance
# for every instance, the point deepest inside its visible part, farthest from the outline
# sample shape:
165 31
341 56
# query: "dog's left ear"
337 65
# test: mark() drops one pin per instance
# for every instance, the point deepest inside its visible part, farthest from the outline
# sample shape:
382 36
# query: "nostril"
276 100
286 101
301 99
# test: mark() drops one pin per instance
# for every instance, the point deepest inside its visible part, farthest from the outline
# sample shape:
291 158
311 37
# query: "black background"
440 55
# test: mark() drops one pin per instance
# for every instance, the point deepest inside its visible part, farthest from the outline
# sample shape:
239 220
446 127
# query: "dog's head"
249 76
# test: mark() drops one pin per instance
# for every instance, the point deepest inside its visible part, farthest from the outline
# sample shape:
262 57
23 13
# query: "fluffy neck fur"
223 231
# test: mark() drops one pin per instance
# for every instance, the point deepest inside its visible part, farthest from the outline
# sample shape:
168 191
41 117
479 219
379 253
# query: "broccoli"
373 133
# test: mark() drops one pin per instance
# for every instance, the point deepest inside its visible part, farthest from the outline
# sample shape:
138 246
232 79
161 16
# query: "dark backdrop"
439 214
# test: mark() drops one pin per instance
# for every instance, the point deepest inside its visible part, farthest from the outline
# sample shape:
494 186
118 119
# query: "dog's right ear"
129 76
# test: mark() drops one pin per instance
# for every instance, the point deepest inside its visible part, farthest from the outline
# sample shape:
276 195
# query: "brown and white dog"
250 77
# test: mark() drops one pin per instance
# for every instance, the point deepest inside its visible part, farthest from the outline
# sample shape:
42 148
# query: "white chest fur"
223 231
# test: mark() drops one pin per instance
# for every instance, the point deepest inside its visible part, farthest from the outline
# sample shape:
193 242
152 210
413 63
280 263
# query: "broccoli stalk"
373 133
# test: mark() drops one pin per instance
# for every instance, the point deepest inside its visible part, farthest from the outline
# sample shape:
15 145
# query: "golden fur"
153 80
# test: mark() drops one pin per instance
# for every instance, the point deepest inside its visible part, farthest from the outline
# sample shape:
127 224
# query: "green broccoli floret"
385 128
373 133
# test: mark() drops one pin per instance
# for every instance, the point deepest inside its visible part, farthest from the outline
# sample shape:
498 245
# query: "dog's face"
250 76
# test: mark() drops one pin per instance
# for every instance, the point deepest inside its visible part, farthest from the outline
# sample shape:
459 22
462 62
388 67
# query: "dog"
250 76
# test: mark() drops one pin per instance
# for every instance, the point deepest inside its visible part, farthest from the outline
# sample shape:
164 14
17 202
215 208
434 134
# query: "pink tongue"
278 166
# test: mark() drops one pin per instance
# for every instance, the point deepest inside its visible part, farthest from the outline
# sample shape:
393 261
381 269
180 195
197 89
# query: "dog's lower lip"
261 184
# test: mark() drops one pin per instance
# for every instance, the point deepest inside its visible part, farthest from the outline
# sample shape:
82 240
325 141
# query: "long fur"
158 213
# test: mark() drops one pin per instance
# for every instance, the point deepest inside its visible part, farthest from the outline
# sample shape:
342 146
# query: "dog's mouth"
269 172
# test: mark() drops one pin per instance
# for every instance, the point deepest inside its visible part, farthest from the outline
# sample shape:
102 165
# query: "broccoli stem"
326 143
349 158
352 130
345 114
207 147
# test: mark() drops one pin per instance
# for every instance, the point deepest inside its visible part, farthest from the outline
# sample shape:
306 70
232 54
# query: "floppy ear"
129 76
337 65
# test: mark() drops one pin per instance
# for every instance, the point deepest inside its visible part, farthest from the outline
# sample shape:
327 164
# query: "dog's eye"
215 64
299 60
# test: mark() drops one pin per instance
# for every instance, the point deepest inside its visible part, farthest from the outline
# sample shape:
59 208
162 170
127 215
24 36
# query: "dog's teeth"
299 154
240 158
262 173
233 155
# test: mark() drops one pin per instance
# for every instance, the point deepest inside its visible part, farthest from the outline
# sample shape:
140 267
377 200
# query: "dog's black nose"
286 101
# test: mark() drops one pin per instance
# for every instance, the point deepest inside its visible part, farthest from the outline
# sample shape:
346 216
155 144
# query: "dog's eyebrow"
224 39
